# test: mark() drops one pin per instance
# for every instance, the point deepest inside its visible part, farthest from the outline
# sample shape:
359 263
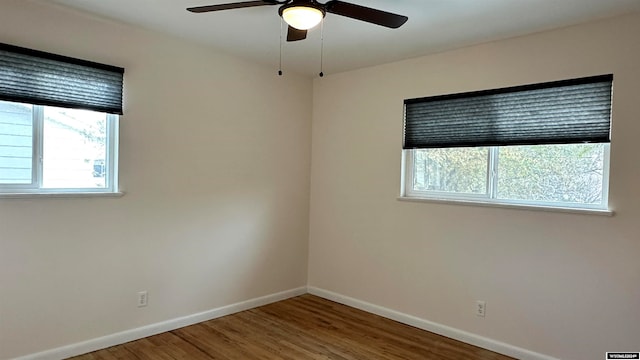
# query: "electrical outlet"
481 308
143 297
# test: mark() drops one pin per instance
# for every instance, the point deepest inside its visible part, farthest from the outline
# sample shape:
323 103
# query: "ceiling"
433 26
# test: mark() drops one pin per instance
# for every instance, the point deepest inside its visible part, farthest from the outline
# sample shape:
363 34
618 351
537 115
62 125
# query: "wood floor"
305 327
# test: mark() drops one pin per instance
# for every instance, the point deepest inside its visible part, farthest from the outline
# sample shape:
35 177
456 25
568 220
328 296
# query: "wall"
564 285
214 160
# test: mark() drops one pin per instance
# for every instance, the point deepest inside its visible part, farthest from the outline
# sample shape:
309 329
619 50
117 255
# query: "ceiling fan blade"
236 5
367 14
294 34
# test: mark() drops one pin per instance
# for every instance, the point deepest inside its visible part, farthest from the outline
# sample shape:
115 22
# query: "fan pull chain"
280 65
321 46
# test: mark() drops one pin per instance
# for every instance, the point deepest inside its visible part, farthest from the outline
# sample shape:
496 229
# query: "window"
537 145
44 147
58 123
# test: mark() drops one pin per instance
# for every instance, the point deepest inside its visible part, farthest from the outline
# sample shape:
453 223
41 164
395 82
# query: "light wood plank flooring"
304 327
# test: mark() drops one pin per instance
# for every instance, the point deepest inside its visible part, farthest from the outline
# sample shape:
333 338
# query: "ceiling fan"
302 15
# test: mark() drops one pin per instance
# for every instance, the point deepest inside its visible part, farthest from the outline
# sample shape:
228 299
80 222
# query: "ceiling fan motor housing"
303 3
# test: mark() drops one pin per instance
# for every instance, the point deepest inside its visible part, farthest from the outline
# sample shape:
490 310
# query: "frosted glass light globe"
302 17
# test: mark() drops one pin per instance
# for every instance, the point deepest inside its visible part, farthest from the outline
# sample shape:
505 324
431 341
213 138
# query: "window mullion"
111 157
493 172
605 175
38 144
409 164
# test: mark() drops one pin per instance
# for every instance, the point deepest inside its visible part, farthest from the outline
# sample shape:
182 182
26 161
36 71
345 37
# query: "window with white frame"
58 123
536 145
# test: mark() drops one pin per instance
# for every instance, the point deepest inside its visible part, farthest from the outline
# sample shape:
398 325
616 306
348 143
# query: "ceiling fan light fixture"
302 17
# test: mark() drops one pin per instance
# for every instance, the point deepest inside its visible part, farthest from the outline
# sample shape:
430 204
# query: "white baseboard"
157 328
460 335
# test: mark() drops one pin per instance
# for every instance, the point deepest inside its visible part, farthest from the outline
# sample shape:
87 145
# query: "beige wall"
565 285
214 155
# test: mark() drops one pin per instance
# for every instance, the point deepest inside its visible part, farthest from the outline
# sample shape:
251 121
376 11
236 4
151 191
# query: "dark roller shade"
41 78
560 112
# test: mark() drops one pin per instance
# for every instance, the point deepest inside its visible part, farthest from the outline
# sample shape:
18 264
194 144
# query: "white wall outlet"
481 307
143 298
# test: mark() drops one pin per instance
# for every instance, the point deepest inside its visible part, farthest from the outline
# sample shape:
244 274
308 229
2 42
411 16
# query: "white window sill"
60 195
509 206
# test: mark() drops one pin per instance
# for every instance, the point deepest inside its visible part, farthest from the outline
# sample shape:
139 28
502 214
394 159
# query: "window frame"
489 198
35 187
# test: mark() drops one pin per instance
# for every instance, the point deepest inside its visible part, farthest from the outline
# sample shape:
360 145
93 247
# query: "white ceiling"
433 26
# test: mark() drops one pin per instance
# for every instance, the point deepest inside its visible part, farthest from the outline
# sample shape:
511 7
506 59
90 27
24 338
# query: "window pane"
552 173
16 143
456 170
74 143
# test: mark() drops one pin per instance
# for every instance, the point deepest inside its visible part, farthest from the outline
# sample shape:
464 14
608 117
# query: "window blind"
41 78
560 112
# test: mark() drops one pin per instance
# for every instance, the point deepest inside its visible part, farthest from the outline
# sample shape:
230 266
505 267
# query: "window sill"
509 206
60 195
